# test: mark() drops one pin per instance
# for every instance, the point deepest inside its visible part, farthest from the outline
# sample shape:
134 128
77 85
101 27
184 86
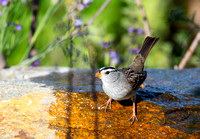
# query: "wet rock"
166 98
187 119
64 102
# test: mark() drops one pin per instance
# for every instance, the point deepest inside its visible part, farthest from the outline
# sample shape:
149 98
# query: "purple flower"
4 2
114 57
78 23
35 64
18 27
105 44
81 4
134 50
32 53
131 29
0 12
87 1
136 30
139 31
80 7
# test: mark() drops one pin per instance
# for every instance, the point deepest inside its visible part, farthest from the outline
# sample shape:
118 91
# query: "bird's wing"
135 79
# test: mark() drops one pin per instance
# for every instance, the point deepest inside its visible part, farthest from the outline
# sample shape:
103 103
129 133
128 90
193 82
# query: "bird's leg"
134 114
107 103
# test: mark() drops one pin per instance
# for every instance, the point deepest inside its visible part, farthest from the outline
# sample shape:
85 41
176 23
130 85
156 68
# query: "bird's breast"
118 91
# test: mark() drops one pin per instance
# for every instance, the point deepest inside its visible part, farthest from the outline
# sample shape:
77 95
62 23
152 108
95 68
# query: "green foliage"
55 23
13 43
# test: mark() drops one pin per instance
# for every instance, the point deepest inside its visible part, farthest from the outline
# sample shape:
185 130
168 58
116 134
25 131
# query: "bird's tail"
138 63
148 44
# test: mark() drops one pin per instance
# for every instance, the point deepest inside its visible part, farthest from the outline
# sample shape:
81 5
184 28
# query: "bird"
122 84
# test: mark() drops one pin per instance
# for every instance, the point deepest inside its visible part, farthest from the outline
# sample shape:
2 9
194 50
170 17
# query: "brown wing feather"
135 79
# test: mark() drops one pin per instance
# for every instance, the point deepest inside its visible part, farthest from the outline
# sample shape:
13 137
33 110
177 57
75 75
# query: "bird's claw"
133 117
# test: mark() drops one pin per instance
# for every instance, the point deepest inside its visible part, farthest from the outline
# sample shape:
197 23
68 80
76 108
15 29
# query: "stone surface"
63 102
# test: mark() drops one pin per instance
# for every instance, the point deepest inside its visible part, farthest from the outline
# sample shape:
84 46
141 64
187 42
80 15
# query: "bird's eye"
107 72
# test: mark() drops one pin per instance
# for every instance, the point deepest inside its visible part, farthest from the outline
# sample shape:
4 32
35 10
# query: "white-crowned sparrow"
122 84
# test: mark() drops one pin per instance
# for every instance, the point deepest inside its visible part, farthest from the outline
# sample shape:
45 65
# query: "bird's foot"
133 117
107 103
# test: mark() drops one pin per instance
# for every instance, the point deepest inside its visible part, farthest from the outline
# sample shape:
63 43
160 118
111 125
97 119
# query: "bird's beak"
98 74
142 86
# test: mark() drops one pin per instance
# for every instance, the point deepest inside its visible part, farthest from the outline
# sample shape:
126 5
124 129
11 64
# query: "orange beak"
98 75
142 86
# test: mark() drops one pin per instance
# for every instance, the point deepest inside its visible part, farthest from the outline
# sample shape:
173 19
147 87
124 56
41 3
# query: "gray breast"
119 90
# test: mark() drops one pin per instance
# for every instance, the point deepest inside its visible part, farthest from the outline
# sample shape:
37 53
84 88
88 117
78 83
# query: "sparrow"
122 84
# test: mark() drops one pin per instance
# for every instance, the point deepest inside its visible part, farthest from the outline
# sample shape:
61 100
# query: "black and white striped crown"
107 68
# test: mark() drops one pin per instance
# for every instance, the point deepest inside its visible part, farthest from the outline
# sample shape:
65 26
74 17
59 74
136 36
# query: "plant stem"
70 36
145 21
190 51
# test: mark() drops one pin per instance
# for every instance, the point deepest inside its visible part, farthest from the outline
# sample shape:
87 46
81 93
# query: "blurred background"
58 32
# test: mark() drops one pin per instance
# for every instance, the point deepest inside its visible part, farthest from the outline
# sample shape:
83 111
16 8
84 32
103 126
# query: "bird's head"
108 74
